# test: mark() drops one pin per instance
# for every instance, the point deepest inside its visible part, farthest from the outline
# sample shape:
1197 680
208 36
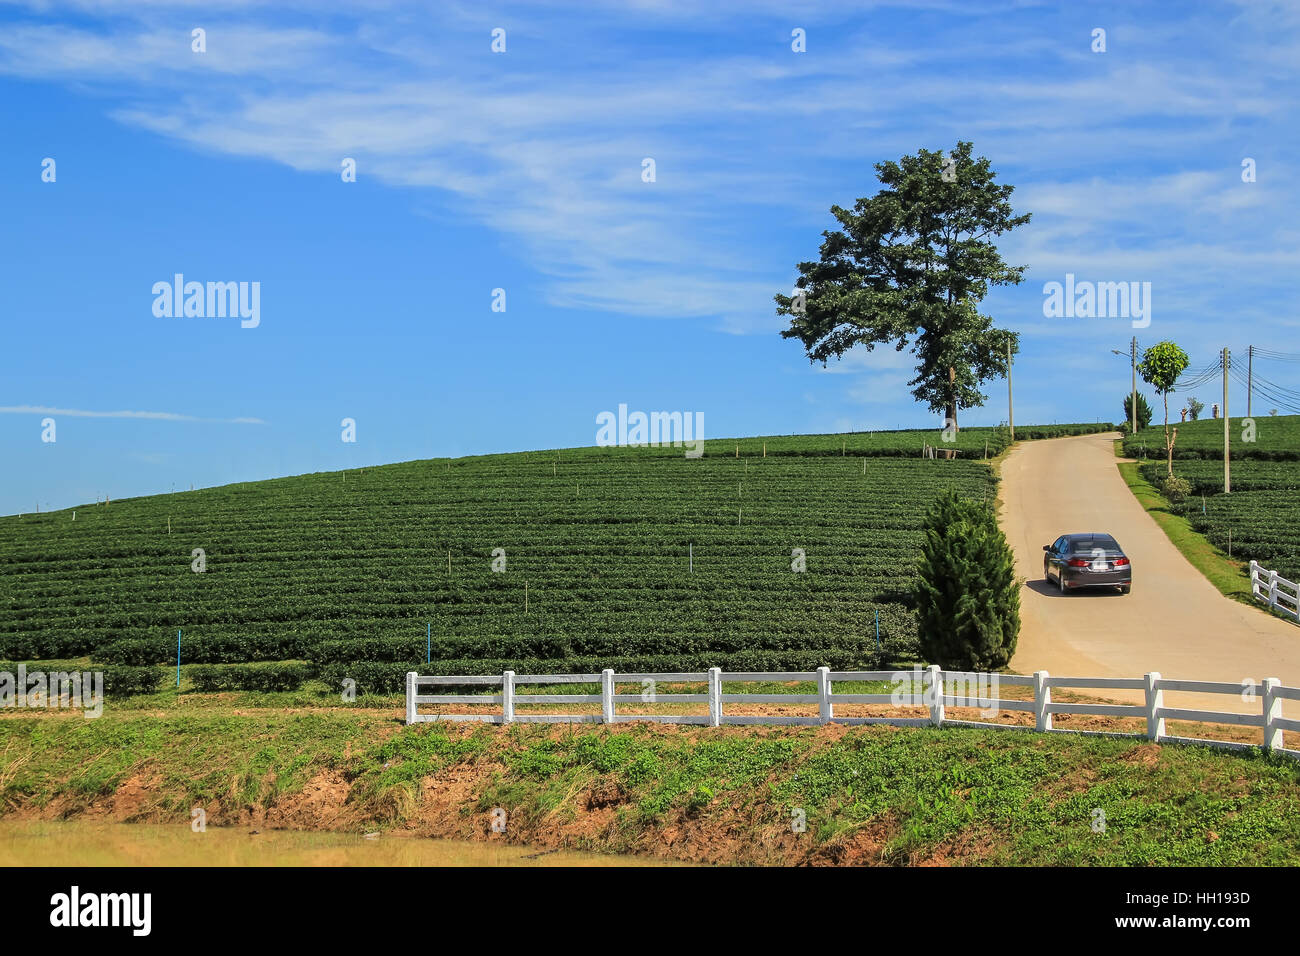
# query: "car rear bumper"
1087 578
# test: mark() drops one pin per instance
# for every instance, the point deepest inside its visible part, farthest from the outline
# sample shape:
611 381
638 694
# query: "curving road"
1174 621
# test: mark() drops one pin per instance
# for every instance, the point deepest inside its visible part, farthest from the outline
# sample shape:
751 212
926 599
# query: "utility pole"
1133 401
1250 376
1011 408
1227 478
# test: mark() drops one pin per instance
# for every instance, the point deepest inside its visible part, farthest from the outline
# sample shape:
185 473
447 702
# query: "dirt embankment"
593 808
449 804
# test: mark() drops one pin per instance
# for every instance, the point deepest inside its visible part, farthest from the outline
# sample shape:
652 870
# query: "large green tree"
911 265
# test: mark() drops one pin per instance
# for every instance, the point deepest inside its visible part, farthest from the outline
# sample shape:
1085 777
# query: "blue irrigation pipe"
428 642
178 658
877 630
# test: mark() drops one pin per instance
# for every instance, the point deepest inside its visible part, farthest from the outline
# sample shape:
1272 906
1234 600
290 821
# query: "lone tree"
914 262
968 599
1160 367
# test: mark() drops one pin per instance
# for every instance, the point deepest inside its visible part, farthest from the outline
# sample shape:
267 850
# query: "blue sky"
522 171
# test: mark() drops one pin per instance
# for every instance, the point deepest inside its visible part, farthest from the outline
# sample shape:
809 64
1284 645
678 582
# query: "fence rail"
940 689
1275 591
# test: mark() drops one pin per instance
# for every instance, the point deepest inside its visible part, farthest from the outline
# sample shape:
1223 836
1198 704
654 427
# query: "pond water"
83 843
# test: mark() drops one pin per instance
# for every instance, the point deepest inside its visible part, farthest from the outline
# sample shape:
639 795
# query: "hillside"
1277 438
614 557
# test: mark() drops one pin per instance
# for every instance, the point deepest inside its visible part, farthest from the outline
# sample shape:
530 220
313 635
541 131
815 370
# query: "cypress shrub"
968 598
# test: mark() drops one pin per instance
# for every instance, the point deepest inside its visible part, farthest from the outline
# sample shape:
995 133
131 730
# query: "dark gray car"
1090 560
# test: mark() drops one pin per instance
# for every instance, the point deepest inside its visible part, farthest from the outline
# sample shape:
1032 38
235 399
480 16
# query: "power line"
1271 391
1276 355
1199 378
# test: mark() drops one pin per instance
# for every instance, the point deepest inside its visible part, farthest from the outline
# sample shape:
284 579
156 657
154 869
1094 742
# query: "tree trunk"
952 410
1169 446
952 403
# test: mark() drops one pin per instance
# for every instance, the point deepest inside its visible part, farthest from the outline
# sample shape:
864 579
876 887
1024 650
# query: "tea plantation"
571 560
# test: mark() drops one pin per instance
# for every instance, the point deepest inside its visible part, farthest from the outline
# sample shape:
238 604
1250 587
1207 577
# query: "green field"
636 559
1276 438
1262 513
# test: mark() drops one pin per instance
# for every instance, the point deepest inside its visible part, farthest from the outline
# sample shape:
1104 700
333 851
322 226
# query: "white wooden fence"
936 687
1274 590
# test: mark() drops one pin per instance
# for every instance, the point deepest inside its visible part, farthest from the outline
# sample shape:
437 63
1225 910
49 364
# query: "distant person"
1184 413
1214 409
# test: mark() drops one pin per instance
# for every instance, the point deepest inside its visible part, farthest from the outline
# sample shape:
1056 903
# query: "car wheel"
1060 579
1125 588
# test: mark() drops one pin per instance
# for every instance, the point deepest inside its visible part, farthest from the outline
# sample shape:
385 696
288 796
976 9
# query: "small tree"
1144 410
1160 368
1194 408
968 598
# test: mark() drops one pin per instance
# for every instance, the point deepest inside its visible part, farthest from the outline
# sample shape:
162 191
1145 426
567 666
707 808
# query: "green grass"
871 794
1257 521
1225 574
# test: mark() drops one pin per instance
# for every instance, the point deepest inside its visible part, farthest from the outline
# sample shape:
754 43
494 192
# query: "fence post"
410 697
1254 578
607 695
824 693
1042 697
1272 714
508 697
934 689
1155 702
715 697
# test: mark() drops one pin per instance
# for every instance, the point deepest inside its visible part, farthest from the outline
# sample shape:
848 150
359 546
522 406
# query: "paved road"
1174 621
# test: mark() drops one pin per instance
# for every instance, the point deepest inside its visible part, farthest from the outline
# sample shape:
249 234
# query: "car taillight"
1079 563
1120 562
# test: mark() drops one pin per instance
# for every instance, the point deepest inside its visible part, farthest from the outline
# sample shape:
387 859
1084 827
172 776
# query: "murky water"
78 843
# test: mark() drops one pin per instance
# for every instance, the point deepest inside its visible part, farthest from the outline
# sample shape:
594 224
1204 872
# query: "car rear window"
1088 544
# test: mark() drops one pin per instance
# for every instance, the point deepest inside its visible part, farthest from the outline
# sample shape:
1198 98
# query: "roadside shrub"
272 676
1176 489
968 599
120 681
1143 413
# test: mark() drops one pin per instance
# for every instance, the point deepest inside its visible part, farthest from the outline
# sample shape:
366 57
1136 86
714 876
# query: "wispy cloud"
88 413
1128 158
